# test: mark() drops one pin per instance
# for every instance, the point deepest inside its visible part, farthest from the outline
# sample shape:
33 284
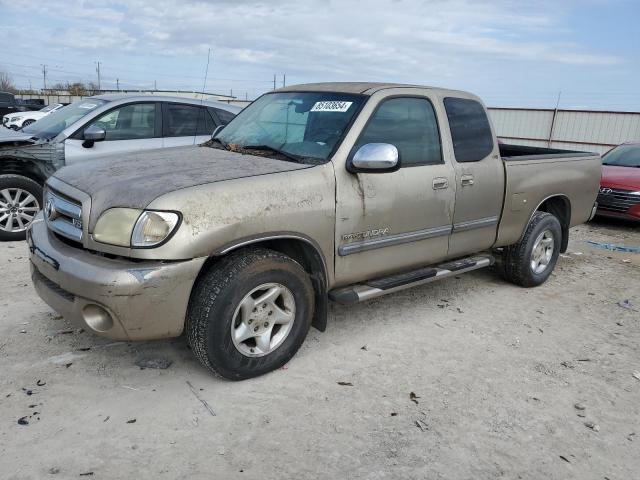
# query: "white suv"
93 128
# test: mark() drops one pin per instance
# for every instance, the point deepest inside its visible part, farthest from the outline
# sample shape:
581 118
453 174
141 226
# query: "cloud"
425 41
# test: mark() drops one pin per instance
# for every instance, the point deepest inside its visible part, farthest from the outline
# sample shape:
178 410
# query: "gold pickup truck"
341 191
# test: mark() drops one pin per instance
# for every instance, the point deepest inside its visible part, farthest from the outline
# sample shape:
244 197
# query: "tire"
26 123
519 260
215 315
15 190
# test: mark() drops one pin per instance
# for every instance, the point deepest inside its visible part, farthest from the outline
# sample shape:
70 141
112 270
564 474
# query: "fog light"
97 318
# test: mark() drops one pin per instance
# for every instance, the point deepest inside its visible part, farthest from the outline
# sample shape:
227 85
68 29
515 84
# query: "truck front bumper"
112 297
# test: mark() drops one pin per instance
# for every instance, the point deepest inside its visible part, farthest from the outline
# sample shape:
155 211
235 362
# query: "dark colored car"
10 104
620 185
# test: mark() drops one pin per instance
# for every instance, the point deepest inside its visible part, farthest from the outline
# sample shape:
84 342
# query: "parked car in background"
93 128
342 191
619 194
18 120
10 104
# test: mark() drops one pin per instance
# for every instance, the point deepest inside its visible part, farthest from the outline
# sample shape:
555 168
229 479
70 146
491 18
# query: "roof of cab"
365 88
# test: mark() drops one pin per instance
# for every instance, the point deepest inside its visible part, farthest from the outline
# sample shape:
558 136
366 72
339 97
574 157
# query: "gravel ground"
470 378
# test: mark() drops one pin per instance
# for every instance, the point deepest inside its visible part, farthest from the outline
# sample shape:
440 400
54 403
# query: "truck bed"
534 174
523 152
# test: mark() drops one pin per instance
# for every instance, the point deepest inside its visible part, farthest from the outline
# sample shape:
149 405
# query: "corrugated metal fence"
594 131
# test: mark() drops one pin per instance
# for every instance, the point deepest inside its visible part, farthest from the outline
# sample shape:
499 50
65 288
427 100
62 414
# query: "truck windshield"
623 156
305 125
54 123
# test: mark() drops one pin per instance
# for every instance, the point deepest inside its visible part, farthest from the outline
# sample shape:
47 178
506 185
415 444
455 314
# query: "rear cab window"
470 129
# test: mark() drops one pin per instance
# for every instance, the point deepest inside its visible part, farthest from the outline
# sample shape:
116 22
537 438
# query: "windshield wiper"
211 141
290 156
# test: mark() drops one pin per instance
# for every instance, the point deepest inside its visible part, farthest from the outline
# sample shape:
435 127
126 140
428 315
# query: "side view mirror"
217 130
93 134
375 158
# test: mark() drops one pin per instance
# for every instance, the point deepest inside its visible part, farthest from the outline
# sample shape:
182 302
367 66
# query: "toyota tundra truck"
317 192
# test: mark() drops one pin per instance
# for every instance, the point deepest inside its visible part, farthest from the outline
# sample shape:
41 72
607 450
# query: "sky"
520 53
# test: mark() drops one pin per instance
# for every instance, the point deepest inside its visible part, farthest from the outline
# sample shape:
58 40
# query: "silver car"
92 128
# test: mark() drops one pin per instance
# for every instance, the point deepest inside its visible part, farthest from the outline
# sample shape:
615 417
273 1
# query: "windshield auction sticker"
88 106
331 106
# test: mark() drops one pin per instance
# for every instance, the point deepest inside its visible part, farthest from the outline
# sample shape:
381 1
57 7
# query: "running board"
383 286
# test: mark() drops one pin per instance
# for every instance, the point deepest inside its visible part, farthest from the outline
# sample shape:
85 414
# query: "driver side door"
394 221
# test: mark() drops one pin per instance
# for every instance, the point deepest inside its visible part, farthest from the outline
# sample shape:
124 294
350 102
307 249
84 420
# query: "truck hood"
624 178
135 180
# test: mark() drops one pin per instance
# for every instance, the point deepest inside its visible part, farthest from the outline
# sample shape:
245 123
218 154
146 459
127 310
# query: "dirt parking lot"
470 378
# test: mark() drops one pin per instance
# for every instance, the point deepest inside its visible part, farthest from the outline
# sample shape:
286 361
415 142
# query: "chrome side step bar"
394 283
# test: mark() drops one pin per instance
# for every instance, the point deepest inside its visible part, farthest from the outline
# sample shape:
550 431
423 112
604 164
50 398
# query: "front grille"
63 215
615 200
54 287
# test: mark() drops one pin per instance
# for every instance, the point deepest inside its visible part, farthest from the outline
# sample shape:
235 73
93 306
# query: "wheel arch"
26 168
559 206
303 250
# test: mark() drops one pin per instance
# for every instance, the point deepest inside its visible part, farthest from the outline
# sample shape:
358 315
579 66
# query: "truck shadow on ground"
347 324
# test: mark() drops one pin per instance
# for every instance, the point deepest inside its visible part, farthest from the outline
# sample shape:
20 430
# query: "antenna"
204 86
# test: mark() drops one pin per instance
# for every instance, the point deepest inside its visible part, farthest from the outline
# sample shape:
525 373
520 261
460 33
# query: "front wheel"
20 201
530 262
26 123
250 313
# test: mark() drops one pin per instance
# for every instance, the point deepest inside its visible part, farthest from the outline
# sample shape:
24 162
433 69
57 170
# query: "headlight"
115 226
129 227
153 228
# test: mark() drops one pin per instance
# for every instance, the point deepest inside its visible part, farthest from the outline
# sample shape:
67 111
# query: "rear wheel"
20 201
530 262
250 313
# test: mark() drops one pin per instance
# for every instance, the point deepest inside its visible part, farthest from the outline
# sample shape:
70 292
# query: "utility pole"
44 76
118 84
155 85
231 93
98 71
284 79
246 96
274 81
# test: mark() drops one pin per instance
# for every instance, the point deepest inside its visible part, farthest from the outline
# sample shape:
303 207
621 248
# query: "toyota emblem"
50 210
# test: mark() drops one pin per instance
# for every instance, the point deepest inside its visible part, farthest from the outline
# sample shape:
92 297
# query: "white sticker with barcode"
88 106
331 106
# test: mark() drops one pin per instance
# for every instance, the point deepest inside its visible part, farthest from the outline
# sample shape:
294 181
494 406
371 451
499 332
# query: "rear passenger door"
479 177
185 124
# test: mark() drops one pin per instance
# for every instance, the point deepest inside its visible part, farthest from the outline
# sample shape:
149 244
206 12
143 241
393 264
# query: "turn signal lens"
153 228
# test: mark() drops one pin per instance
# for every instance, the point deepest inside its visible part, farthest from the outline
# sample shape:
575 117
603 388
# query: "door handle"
440 183
466 180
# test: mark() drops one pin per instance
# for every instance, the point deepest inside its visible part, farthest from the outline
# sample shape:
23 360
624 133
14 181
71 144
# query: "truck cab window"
408 123
470 129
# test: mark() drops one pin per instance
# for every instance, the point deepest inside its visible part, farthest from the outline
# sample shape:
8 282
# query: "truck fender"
302 249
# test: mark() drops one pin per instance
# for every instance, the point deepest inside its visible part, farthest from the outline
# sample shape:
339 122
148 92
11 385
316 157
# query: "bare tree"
92 88
6 83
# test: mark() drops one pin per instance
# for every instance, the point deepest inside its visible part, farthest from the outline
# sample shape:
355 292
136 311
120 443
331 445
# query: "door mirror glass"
94 133
375 158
